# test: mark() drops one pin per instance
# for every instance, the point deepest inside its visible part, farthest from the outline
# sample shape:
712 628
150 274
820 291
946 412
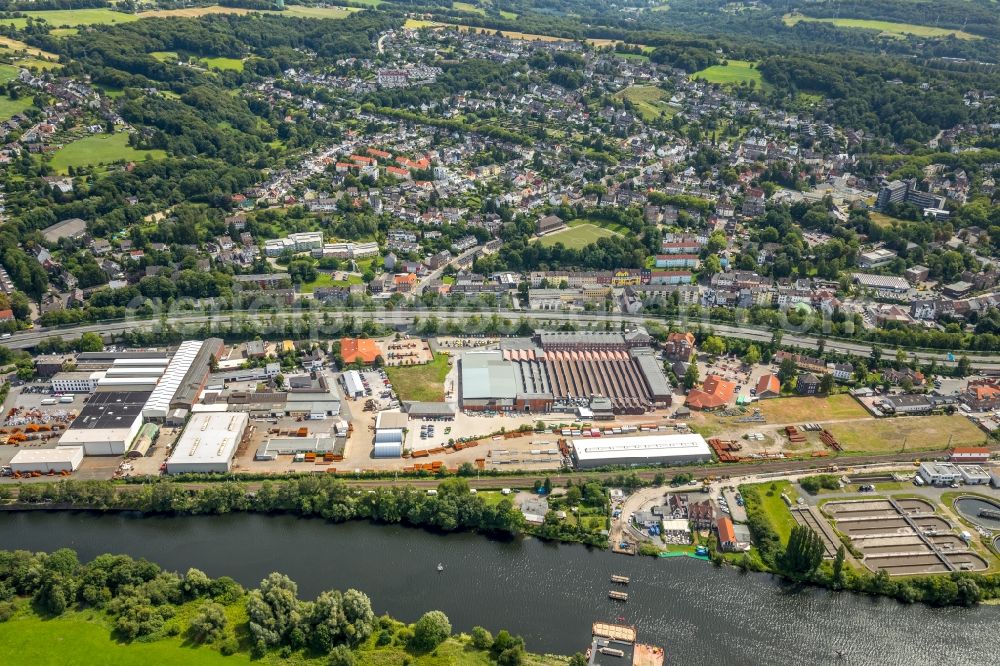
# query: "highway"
30 338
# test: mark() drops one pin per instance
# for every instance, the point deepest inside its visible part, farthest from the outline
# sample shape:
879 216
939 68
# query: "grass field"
73 17
100 149
84 639
510 16
883 220
767 496
424 383
468 7
579 234
8 73
416 24
11 107
322 12
10 46
232 64
887 28
35 63
164 56
326 280
736 71
806 410
921 433
648 100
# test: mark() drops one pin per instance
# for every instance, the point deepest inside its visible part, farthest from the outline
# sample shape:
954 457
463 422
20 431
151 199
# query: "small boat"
618 596
624 580
440 567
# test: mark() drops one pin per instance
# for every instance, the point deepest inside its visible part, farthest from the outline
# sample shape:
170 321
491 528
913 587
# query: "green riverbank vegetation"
115 609
453 508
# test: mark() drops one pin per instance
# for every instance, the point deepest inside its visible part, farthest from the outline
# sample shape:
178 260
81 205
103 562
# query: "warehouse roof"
641 448
486 375
110 410
390 420
652 370
180 363
57 454
580 338
209 437
428 408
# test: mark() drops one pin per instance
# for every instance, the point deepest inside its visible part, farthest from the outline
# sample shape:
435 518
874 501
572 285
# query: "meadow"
424 383
733 72
887 28
100 149
648 101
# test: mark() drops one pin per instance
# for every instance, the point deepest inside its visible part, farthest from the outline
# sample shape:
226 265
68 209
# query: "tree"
691 376
481 639
804 552
273 609
838 566
714 346
964 366
91 342
432 629
787 369
826 383
752 355
712 265
208 623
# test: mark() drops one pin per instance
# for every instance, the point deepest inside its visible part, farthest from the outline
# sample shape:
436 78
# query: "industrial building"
184 378
107 424
564 372
76 382
939 474
390 430
643 450
59 459
974 475
353 387
208 443
287 446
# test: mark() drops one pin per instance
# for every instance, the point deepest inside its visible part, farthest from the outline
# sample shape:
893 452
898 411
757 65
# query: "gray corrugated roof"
486 375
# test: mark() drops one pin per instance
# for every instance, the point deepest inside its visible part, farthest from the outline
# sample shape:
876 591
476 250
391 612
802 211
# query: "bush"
341 656
230 646
209 623
432 629
6 611
481 639
813 484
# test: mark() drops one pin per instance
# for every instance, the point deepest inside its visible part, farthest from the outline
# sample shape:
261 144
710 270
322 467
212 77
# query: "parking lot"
904 536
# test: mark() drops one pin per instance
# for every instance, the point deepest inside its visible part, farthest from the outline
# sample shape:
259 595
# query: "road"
30 338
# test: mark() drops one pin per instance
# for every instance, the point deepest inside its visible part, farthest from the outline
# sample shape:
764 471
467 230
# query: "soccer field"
576 237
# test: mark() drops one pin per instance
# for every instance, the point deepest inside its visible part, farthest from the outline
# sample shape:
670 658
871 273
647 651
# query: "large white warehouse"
60 459
208 443
643 450
107 424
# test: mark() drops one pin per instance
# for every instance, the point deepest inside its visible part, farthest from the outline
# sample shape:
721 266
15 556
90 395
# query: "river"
548 593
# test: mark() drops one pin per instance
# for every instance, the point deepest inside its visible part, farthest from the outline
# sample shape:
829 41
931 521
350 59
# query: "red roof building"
361 350
715 393
768 386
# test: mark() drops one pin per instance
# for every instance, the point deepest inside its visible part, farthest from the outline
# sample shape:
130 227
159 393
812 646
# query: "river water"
548 593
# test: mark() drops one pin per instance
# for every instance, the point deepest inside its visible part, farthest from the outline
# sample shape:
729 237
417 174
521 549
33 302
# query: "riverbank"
55 610
549 593
454 508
